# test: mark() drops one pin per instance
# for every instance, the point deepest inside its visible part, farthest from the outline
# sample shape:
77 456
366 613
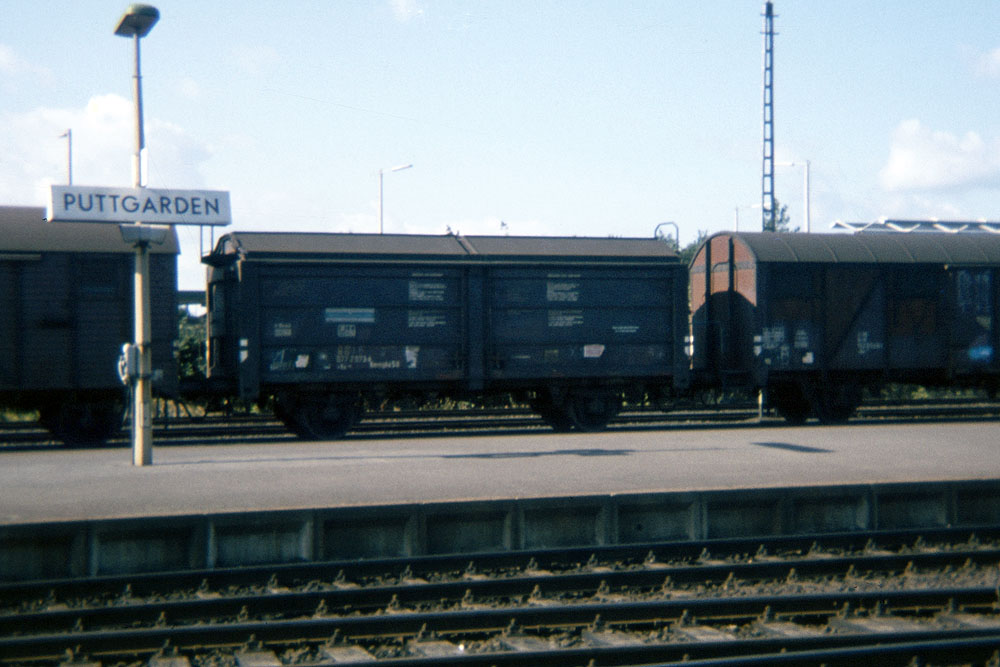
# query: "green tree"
687 253
191 346
782 223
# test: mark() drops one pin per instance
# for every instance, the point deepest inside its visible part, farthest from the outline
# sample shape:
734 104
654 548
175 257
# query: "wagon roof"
24 229
917 248
253 245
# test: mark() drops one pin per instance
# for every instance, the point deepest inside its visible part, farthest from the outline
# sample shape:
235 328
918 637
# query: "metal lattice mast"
767 178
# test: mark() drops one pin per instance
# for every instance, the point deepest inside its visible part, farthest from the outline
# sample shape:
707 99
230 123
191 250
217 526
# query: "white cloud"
405 10
924 159
34 154
256 60
12 64
175 157
988 64
33 157
188 88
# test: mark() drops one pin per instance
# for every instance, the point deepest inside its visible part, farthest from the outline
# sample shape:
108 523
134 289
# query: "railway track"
262 428
880 598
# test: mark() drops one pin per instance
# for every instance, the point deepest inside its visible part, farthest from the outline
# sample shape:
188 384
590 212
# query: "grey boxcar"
65 310
814 318
321 323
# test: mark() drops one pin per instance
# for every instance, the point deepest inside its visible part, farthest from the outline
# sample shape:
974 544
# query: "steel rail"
371 599
656 556
816 608
374 426
375 423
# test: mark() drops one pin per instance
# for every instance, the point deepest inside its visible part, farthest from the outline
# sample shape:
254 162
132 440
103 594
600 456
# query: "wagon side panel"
581 322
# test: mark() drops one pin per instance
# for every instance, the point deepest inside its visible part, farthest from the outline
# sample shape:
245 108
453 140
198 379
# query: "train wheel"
837 403
320 417
284 409
553 415
790 403
591 411
82 424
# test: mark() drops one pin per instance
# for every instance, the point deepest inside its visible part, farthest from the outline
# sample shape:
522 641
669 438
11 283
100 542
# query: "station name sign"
71 203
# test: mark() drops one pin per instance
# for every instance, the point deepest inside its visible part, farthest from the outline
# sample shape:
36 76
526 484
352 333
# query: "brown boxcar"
812 319
66 308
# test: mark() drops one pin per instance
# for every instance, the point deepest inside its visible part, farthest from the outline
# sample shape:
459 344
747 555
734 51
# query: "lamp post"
805 190
68 136
380 172
657 234
749 207
136 23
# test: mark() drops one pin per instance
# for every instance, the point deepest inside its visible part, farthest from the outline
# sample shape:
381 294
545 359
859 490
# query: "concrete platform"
73 485
91 513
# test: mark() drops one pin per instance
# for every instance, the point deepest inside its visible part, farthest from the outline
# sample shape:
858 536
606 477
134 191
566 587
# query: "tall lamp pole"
380 172
136 23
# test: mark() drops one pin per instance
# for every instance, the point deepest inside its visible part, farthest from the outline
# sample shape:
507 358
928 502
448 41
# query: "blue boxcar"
321 323
66 308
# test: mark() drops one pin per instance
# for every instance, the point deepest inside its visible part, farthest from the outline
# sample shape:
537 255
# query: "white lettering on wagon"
349 315
560 319
772 337
426 319
866 345
562 291
423 290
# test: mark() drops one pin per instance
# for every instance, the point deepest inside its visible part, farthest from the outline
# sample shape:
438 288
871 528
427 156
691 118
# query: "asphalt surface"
57 484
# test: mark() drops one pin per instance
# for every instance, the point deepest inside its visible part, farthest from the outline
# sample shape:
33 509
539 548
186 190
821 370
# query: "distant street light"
748 208
68 136
380 172
805 190
136 23
657 234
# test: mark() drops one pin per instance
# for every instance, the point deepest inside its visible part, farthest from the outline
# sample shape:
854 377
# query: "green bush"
191 346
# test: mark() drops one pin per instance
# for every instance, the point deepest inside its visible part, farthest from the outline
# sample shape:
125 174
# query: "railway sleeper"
257 658
775 628
346 654
874 625
604 637
165 661
701 633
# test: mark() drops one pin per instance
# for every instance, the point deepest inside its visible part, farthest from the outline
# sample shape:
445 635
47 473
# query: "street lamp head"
137 20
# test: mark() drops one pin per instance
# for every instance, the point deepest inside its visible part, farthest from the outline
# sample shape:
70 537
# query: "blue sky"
553 118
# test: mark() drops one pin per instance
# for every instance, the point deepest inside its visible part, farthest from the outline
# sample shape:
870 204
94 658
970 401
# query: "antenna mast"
767 177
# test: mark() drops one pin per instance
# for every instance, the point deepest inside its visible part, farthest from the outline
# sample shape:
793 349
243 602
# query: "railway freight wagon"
321 324
814 318
66 308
